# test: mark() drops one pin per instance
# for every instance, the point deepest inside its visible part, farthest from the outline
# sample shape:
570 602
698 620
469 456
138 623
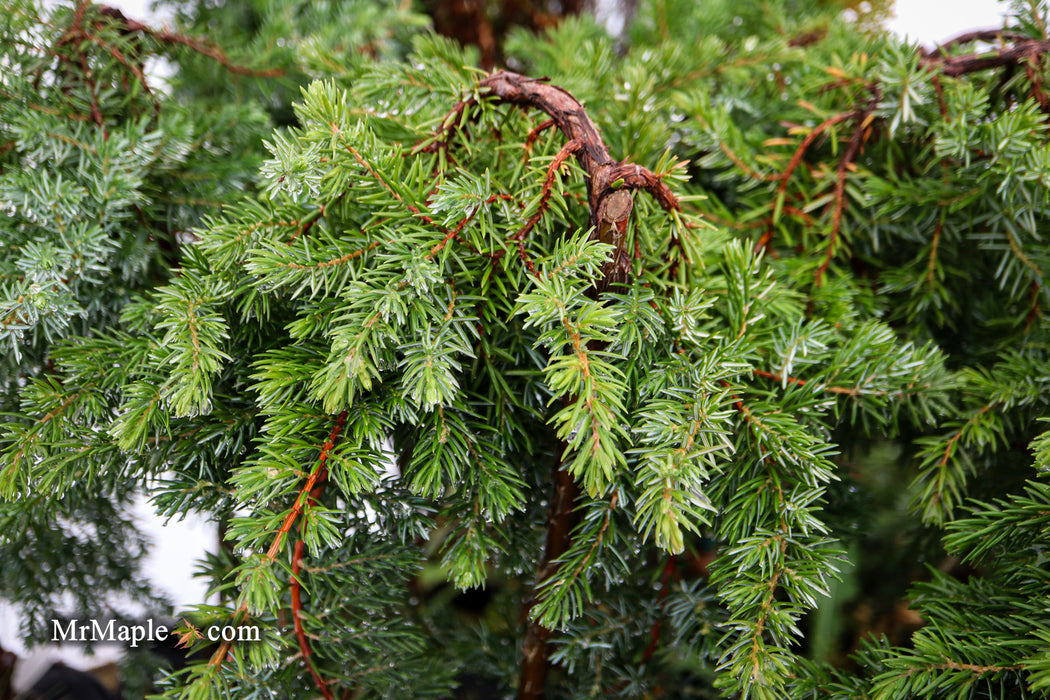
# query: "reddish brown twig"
860 135
942 104
765 240
297 621
297 558
534 134
1035 312
319 472
96 112
197 45
548 185
800 152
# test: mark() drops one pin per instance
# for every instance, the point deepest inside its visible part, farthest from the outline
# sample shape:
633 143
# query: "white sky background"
180 544
931 22
925 21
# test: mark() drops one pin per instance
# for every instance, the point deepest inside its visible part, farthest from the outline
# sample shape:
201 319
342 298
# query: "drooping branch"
610 186
571 118
306 495
610 183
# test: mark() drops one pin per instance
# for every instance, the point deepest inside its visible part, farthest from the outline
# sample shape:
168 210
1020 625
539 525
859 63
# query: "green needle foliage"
102 181
395 368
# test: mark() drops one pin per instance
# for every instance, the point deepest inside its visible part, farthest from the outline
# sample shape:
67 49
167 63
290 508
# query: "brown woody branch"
1017 54
1021 51
985 35
561 519
571 118
610 207
610 186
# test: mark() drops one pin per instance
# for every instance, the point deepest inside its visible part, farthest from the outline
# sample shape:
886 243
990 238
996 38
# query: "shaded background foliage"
897 198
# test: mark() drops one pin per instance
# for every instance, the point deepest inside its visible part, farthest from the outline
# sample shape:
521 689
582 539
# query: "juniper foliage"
102 180
389 365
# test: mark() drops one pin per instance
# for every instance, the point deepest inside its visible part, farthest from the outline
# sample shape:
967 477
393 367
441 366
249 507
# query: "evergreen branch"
313 217
7 477
1008 528
609 202
386 185
43 109
1015 247
132 68
610 208
953 441
745 168
332 262
454 233
290 309
945 484
319 473
557 586
978 669
96 113
787 554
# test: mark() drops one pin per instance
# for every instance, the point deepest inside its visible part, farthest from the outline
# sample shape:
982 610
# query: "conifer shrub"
677 370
